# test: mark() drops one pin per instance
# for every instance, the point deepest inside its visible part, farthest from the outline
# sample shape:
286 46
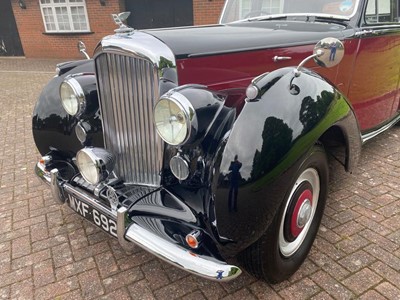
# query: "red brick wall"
38 44
207 11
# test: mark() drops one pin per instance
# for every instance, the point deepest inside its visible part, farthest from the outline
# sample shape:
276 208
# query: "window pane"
245 8
384 7
271 6
62 18
49 19
379 12
79 18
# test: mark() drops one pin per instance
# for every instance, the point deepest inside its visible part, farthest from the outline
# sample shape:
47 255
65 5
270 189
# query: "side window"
381 11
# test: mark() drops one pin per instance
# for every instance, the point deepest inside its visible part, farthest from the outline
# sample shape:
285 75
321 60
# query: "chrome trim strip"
366 137
180 257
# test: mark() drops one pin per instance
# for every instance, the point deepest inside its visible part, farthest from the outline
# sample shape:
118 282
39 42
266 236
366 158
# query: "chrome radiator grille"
128 88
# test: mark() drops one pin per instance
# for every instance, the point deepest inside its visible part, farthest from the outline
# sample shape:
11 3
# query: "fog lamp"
95 164
72 96
81 131
179 167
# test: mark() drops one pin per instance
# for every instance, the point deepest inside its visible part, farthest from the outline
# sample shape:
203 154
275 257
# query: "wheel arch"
343 141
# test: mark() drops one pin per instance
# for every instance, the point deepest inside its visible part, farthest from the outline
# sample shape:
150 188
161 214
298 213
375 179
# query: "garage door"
159 13
10 44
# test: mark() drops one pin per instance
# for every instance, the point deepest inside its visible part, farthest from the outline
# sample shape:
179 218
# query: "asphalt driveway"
48 252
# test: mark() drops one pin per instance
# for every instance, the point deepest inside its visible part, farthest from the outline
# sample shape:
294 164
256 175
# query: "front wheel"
286 243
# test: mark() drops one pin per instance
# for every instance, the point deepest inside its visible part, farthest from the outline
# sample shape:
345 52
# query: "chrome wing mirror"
327 53
82 49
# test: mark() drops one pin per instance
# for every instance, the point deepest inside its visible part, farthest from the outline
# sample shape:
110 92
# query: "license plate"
93 215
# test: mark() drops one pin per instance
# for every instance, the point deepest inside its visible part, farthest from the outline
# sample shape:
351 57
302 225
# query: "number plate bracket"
92 209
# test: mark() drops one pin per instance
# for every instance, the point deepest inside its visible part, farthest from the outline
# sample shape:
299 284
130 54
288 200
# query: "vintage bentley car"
201 144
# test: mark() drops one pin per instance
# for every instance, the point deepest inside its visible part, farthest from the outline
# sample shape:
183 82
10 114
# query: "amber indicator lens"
193 239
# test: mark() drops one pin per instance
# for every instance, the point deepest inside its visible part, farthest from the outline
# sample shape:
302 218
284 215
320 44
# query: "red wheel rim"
301 213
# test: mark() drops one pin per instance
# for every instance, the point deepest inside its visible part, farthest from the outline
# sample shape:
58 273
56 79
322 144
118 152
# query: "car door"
375 81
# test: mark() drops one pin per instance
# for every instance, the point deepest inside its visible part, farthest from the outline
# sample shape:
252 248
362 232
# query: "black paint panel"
53 128
269 138
218 39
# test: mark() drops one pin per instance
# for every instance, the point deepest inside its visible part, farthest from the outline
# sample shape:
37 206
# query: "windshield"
236 10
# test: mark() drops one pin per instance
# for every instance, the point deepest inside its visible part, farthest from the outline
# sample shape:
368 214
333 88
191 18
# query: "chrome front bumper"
204 266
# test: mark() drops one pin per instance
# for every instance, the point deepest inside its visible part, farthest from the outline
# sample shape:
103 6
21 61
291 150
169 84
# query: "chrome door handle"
280 58
364 32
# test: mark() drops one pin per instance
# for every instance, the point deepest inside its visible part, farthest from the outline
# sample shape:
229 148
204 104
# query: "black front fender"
53 128
266 146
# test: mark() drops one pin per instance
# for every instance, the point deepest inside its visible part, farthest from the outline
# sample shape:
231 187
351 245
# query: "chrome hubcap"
304 213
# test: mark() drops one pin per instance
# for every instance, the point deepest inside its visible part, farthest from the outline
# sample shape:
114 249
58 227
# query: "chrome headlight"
95 164
72 96
174 118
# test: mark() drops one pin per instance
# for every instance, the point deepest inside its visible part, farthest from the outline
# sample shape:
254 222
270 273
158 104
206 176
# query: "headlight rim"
79 94
102 160
94 160
188 110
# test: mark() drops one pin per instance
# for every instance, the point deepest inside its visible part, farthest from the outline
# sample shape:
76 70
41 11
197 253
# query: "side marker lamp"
193 239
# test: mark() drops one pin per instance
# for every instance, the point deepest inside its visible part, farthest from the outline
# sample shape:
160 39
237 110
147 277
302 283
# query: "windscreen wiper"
267 17
296 16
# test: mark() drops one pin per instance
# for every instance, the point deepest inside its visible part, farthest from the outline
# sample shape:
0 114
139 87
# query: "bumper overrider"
130 232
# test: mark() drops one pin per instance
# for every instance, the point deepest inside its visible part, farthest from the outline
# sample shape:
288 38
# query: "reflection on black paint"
56 123
312 111
277 140
234 183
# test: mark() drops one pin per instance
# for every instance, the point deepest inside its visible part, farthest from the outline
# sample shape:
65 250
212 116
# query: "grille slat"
128 89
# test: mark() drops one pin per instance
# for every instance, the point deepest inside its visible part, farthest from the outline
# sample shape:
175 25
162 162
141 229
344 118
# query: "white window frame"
67 4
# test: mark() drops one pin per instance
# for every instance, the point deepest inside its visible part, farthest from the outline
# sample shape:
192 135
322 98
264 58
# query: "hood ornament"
119 19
